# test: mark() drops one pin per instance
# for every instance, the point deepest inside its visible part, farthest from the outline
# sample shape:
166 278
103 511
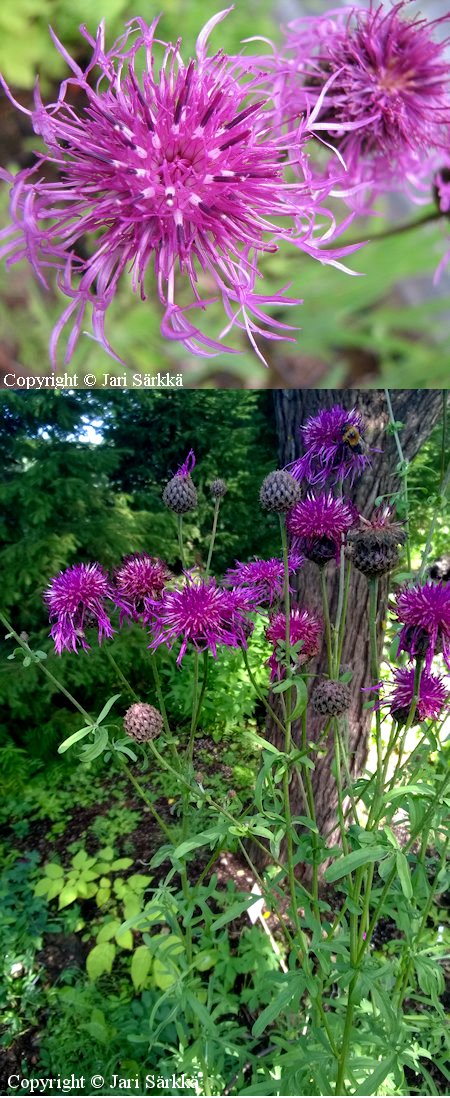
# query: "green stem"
443 489
341 612
326 615
120 674
444 433
287 733
260 693
144 797
159 693
180 540
375 674
213 535
23 644
404 464
346 1037
397 230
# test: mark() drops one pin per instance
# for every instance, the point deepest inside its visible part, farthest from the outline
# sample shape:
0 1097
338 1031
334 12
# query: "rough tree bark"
419 411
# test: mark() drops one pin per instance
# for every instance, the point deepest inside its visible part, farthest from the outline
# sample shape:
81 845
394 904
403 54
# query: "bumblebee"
352 438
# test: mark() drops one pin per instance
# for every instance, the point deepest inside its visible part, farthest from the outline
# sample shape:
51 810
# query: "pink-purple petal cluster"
305 627
334 448
424 614
262 579
319 523
199 613
139 580
171 171
398 695
387 90
76 599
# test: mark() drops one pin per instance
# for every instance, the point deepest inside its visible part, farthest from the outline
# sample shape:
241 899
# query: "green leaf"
82 732
106 708
92 750
204 838
272 1011
108 931
67 896
100 960
141 964
233 912
281 687
353 861
122 863
301 701
54 871
373 1082
125 939
404 874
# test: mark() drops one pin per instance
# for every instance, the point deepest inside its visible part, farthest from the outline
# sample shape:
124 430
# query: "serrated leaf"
100 960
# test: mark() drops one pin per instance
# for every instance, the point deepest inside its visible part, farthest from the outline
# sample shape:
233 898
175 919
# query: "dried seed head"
143 722
331 699
279 491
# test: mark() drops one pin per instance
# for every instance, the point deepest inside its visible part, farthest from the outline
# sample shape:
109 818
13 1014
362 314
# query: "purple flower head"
187 467
76 598
398 695
165 169
387 88
200 613
424 613
305 626
263 579
139 579
318 524
334 447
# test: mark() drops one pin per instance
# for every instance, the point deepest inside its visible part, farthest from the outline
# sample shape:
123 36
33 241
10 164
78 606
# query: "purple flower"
139 579
424 613
165 168
334 447
263 579
200 613
387 89
187 467
305 626
398 695
318 524
76 598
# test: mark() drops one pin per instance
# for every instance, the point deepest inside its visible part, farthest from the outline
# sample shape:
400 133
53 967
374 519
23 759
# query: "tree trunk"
418 411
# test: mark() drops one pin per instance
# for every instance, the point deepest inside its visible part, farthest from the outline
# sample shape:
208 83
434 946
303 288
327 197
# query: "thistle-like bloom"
263 579
76 598
199 613
163 166
387 103
334 447
305 627
139 579
319 524
398 695
424 613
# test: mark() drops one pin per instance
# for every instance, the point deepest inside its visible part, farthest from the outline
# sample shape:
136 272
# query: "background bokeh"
390 326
